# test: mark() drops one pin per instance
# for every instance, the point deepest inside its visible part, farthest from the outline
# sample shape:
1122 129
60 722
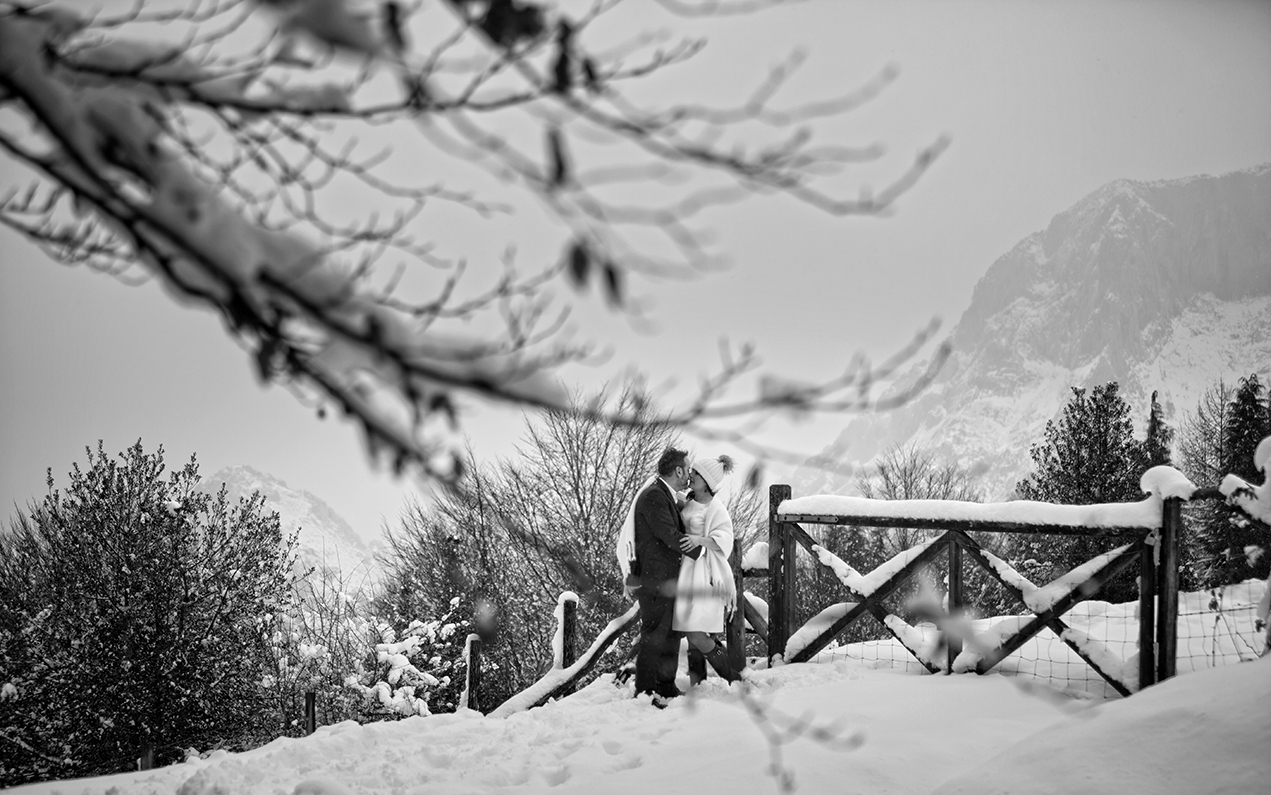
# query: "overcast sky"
1043 102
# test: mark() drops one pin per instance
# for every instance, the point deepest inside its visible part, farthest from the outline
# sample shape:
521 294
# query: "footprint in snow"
612 747
627 762
436 758
652 736
564 749
555 776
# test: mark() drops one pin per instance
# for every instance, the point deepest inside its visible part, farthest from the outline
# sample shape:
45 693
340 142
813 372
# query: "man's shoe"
660 701
670 691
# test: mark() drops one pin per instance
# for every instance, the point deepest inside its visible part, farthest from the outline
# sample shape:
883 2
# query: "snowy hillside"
326 539
1157 285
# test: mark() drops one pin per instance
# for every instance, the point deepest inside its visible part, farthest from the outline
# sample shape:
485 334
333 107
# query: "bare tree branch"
210 142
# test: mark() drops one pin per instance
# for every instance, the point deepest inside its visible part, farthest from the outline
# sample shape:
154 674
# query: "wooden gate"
1149 531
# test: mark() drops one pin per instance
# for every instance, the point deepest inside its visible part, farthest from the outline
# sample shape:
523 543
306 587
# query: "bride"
706 591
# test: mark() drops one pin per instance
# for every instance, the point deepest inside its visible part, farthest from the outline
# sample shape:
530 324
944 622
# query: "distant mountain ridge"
1162 285
325 538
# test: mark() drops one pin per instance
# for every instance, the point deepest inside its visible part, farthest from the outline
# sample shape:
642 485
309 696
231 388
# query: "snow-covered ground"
871 728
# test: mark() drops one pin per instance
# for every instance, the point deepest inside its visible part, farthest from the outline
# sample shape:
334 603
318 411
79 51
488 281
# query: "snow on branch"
207 145
1255 501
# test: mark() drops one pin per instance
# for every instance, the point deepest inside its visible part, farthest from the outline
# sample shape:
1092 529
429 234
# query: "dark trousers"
659 654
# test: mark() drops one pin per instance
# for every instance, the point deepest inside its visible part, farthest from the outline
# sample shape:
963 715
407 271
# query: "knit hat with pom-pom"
713 470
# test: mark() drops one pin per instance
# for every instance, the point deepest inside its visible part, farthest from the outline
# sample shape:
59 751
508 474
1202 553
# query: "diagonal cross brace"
757 622
879 613
1050 618
870 603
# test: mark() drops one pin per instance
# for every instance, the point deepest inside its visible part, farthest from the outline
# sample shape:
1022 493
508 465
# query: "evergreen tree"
1089 456
1156 447
130 613
1223 543
1246 426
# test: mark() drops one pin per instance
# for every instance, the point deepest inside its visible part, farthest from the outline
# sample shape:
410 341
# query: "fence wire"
1219 626
1215 627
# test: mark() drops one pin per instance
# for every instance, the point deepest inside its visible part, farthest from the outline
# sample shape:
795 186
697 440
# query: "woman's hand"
688 543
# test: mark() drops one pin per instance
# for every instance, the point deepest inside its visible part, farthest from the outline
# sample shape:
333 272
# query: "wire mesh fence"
1215 627
1219 626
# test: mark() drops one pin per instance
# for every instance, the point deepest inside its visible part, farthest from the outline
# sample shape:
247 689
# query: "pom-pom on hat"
713 470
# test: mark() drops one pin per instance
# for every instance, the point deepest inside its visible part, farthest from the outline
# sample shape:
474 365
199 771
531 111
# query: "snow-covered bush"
129 608
395 685
329 640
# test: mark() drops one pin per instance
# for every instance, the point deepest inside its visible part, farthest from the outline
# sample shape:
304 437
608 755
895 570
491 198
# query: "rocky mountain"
1157 285
325 540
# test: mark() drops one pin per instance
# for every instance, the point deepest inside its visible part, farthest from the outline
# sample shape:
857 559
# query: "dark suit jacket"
658 528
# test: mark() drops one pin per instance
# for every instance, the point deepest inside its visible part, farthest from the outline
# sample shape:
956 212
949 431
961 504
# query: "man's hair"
671 458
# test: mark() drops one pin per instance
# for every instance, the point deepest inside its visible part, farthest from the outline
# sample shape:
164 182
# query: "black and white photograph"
635 396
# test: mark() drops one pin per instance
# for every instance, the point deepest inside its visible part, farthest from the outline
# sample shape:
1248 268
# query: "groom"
658 528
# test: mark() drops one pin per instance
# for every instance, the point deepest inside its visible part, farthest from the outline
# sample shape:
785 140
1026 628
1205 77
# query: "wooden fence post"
953 643
569 639
472 676
780 575
146 760
1167 590
735 630
1147 615
311 712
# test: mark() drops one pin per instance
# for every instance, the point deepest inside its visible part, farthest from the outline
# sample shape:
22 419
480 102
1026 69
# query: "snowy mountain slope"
326 539
1157 285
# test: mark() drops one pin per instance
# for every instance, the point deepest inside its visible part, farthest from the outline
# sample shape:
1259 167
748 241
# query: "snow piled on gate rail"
1159 482
1145 514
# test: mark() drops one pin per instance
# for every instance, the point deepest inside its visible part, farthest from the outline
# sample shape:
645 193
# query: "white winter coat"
706 591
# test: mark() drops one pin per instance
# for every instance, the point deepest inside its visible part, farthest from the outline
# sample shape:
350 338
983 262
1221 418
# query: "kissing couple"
674 554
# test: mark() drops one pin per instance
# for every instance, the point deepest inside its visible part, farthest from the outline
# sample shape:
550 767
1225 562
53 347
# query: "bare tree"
518 533
282 162
909 472
1202 451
